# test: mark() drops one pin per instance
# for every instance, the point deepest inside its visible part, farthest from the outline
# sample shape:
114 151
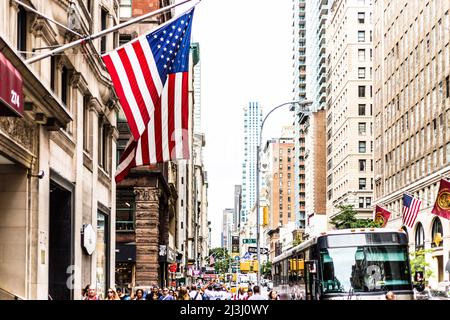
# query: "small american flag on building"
151 77
411 207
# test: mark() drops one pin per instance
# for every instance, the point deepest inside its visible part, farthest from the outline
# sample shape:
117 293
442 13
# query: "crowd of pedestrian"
208 291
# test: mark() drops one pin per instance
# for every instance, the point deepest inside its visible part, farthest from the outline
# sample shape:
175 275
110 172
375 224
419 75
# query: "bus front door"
311 280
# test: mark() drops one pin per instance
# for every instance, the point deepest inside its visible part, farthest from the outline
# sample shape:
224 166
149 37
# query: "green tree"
418 263
221 259
266 269
297 241
346 219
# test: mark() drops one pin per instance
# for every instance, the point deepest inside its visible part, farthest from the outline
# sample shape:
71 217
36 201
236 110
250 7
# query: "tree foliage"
222 259
266 269
346 219
418 263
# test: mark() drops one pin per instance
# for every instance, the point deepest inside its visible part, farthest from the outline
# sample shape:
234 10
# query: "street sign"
248 241
255 250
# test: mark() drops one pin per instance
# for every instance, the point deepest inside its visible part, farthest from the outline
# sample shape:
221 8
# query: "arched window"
436 233
419 237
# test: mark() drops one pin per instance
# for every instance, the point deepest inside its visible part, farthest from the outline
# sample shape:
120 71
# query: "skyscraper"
299 93
252 127
227 228
349 107
316 17
196 79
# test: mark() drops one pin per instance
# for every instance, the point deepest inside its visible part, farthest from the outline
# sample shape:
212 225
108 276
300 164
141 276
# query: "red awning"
11 89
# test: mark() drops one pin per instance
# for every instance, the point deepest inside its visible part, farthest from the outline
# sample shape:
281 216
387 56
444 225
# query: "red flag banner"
381 215
442 204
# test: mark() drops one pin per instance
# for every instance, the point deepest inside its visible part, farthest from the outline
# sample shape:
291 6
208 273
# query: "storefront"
16 162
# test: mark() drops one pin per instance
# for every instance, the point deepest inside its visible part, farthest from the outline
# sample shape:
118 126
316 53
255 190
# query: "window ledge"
87 160
104 177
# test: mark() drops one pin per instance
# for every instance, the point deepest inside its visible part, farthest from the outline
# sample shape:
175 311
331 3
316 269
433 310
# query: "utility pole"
258 150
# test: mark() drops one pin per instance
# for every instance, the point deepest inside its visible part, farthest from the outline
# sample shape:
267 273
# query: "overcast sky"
246 55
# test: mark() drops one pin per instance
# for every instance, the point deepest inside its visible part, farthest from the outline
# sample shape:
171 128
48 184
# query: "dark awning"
11 89
125 252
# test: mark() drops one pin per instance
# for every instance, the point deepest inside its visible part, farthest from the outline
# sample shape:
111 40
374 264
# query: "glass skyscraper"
252 127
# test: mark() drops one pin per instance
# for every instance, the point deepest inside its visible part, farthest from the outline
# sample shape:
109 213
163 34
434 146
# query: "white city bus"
346 264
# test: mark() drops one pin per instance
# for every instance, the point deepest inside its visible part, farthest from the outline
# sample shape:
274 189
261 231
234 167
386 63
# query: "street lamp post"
258 149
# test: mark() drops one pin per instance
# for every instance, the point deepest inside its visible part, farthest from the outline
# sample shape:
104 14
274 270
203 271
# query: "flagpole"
104 32
47 17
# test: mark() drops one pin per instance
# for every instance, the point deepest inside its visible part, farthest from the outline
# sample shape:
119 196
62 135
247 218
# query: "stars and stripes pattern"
411 207
151 79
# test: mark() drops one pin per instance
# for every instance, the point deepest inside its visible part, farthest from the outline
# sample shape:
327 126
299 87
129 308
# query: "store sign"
167 254
11 89
89 238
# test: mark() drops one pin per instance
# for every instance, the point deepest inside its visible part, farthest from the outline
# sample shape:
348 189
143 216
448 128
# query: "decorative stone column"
147 235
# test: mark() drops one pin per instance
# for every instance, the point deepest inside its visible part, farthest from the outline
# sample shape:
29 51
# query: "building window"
22 31
103 143
361 55
361 17
64 85
362 128
361 109
361 202
447 87
362 183
102 250
125 210
361 91
104 16
52 73
125 9
86 128
419 237
362 146
361 36
368 202
362 165
436 233
361 73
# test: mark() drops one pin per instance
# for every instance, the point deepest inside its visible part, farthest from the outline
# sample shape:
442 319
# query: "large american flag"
151 79
411 207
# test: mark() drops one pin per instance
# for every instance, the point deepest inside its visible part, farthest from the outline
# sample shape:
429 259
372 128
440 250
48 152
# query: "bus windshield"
365 269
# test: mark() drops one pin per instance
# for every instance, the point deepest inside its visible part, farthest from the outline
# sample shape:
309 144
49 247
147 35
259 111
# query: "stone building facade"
57 228
349 107
412 118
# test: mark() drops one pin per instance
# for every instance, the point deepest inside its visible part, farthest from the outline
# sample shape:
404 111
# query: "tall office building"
349 107
299 49
196 79
312 16
299 93
237 207
412 117
316 17
227 228
252 127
